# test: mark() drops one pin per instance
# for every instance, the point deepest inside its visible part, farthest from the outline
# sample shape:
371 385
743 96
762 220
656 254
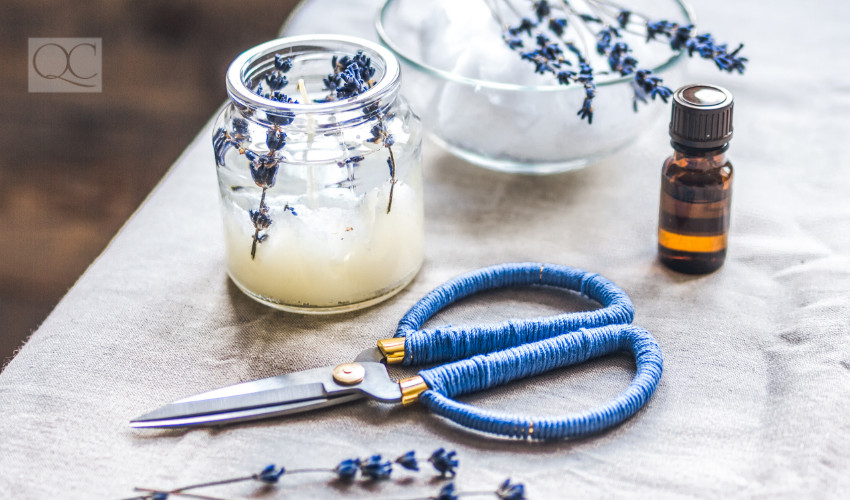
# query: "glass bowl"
489 119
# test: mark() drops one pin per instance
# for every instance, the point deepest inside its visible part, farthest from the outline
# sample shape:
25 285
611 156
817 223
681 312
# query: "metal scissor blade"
245 415
219 405
272 396
264 384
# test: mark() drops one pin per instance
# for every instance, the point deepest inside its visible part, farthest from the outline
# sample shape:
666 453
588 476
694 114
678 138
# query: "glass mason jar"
319 175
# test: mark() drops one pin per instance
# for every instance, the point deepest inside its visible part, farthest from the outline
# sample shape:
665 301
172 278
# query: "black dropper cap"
702 116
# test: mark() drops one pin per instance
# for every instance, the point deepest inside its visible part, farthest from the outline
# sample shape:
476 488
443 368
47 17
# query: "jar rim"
240 93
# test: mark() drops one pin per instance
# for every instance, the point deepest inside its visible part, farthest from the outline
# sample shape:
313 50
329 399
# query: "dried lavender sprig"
263 167
548 56
682 37
679 37
380 135
559 17
645 85
445 462
352 76
617 54
372 468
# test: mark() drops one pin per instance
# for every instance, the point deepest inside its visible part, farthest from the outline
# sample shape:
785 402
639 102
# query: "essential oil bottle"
696 182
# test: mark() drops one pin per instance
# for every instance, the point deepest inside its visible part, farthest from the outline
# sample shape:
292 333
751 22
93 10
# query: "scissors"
479 357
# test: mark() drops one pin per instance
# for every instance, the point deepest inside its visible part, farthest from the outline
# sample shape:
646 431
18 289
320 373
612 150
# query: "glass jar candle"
319 169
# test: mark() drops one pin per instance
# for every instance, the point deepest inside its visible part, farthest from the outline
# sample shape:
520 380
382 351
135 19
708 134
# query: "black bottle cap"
702 116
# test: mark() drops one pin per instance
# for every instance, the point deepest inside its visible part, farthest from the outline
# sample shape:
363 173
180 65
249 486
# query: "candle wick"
302 87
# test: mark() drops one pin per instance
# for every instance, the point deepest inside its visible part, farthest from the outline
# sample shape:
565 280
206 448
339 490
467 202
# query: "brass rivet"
349 373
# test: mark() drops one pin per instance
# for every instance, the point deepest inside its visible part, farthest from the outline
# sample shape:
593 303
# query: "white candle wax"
333 254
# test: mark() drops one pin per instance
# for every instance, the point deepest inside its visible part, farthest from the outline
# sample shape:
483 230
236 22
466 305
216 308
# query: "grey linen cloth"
754 397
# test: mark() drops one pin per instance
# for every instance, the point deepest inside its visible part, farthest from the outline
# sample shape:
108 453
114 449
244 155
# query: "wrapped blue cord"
449 343
489 370
516 349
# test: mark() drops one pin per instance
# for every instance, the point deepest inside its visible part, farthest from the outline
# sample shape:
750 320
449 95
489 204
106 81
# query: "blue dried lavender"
541 62
351 75
375 467
444 462
541 9
680 35
623 18
656 28
525 25
281 118
620 61
646 85
276 80
729 61
275 139
261 221
511 491
282 64
408 461
260 218
347 469
604 39
683 37
350 83
271 474
585 77
565 76
447 492
264 169
558 25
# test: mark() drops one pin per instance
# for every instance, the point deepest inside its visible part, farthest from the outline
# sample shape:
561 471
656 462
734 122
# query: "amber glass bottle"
696 182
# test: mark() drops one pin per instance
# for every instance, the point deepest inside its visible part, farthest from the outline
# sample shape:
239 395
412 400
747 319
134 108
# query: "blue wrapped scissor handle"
490 355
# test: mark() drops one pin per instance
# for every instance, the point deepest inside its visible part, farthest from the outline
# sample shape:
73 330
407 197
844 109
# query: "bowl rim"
447 75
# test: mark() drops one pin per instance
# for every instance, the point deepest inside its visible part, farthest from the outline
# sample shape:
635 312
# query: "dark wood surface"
73 167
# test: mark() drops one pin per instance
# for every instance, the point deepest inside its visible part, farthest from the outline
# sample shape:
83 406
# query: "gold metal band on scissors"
392 349
411 388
